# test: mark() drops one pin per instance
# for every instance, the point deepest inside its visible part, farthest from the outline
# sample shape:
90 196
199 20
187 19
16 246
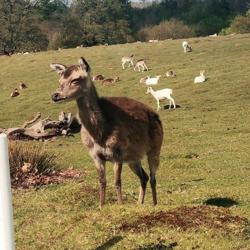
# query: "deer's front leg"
100 167
117 173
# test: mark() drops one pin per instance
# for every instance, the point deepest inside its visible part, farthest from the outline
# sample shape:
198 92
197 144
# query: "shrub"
174 29
240 24
210 25
39 160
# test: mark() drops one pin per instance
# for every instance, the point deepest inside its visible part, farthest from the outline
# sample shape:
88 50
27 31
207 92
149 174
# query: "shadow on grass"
172 106
221 202
110 243
159 246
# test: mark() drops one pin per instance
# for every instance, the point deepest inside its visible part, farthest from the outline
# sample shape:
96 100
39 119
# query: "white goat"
186 46
201 78
152 81
129 60
161 95
140 64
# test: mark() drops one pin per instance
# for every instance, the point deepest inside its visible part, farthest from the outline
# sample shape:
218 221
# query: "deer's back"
133 127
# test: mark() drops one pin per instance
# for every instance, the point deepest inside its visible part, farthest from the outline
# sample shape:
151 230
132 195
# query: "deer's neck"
91 115
152 92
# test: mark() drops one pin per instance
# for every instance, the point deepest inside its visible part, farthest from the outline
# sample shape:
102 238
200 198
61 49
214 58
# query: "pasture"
204 159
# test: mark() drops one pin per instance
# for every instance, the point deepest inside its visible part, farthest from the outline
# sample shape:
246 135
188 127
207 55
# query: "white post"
6 212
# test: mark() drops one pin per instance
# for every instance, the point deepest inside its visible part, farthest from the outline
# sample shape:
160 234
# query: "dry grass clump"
33 166
29 160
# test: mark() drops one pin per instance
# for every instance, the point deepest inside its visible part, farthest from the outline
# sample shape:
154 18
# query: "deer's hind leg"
136 167
153 162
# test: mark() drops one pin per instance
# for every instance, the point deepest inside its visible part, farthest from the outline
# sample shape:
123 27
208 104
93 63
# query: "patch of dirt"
33 179
184 218
158 246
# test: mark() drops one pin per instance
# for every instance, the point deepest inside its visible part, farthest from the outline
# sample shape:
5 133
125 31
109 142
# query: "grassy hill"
205 153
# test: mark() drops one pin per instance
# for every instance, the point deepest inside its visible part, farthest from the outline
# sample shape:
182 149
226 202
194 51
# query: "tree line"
34 25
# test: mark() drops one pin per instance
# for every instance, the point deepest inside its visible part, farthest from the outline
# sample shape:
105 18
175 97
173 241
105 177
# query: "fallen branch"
38 129
27 123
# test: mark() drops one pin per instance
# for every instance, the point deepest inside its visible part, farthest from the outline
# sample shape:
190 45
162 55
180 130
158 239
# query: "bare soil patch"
184 218
33 179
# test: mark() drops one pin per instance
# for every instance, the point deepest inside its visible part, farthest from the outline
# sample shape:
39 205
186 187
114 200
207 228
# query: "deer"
98 78
15 93
152 80
201 78
170 73
110 81
22 85
140 65
161 95
114 129
186 46
129 60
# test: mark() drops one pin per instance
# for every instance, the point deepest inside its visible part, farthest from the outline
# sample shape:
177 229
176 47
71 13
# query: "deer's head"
149 90
202 72
74 81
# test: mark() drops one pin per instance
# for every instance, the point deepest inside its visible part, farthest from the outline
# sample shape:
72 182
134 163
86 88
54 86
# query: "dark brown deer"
116 129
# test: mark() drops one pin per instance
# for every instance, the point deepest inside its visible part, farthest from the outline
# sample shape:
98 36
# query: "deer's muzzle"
56 97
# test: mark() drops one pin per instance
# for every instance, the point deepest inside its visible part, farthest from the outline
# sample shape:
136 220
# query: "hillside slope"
205 153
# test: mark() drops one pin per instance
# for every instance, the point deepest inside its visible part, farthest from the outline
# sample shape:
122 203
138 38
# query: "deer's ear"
59 68
84 65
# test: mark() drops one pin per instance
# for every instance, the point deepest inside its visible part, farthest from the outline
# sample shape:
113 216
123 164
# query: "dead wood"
38 128
27 123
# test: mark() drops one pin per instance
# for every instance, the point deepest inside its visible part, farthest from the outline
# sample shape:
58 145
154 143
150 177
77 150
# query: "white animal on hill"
170 73
201 78
186 46
22 85
161 95
153 41
141 65
129 60
15 93
152 81
143 79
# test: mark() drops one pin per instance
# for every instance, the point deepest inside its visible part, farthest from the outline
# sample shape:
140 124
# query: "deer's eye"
75 81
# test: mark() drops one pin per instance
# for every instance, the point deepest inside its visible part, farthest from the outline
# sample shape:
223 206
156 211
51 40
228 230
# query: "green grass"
213 123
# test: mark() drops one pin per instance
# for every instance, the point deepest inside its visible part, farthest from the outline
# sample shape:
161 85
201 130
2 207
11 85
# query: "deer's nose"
55 96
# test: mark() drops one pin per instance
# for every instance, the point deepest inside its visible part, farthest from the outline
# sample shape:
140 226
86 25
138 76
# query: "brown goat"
116 129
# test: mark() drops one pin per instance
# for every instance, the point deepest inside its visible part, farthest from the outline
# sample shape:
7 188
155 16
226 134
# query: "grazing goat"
160 95
14 93
152 81
140 64
116 129
186 46
98 78
201 78
129 60
170 74
110 81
